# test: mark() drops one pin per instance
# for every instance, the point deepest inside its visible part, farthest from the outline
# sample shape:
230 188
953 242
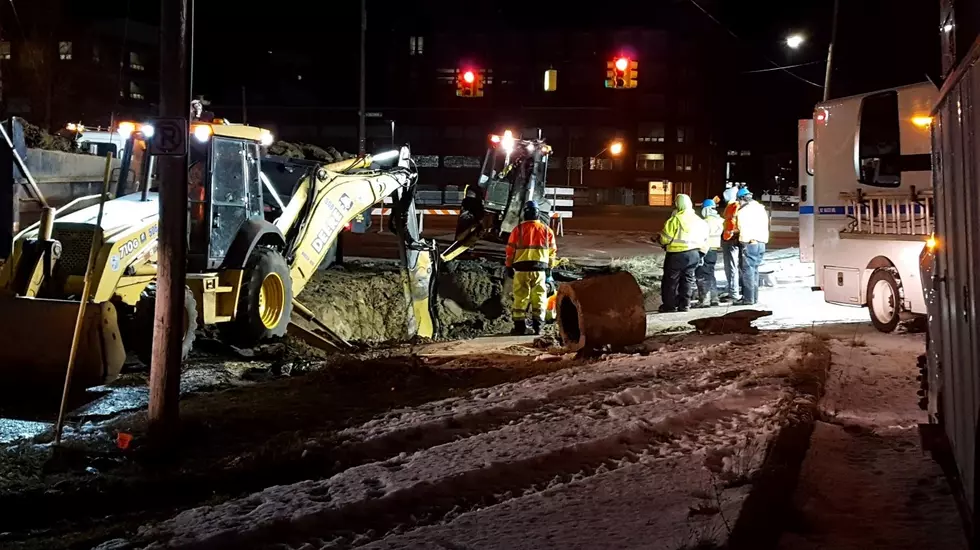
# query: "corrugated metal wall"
956 175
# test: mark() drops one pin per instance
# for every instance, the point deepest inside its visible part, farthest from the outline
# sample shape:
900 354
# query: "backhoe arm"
327 200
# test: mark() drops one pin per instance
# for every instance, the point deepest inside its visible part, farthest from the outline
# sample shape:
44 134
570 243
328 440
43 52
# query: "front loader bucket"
36 337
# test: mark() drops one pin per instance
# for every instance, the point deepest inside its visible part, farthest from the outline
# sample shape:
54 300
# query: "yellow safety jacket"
685 231
532 247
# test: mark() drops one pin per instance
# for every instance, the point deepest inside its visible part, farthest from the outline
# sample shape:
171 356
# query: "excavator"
251 250
514 171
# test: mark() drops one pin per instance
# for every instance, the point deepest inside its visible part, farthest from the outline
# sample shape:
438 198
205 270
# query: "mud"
365 302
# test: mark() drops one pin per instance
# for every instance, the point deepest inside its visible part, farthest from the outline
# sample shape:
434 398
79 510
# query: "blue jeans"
731 252
752 259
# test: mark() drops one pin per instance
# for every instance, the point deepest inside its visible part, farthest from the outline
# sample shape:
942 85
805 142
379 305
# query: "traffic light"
469 82
632 73
621 73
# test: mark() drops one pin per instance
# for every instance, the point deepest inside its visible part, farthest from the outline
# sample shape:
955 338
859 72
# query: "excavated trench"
365 301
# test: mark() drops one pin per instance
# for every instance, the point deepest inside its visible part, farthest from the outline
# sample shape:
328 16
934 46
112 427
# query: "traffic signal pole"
168 321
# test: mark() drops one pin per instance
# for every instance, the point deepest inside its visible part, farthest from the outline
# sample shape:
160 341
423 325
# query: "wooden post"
168 323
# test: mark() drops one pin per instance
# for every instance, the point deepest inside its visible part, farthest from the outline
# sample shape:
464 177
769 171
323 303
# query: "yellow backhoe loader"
250 252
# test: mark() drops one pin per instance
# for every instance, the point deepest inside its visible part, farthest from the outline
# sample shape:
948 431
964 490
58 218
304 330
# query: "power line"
736 37
784 67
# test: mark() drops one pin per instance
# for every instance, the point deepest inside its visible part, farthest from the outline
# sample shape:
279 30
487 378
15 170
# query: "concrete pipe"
601 311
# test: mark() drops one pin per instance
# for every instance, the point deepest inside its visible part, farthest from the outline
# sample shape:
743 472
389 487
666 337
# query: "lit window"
416 45
64 51
685 134
134 91
135 62
650 162
651 132
685 162
4 50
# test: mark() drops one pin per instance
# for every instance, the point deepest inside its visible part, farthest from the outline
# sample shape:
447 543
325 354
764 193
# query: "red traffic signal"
469 82
622 64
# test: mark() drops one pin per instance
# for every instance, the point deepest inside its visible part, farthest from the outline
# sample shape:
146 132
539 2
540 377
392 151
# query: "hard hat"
531 211
743 192
708 203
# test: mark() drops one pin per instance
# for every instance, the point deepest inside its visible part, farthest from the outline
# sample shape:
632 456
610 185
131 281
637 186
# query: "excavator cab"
514 171
225 190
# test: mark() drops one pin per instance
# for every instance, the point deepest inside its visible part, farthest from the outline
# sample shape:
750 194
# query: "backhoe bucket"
37 334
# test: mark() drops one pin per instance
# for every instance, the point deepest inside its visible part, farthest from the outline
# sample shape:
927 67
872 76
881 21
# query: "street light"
795 41
615 149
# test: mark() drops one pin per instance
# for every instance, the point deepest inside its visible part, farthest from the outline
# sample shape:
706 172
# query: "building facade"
667 123
66 62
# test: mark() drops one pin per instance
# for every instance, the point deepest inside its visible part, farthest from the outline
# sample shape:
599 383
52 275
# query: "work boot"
520 328
702 303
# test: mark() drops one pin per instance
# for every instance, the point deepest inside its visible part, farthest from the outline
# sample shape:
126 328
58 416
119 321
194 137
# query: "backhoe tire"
265 302
142 332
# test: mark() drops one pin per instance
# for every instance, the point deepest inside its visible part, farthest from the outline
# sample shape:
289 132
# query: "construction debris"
604 312
736 322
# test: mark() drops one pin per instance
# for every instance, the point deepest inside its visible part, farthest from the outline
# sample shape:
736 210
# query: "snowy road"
638 451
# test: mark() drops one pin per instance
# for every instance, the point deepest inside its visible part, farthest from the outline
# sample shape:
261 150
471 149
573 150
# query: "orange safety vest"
731 223
531 247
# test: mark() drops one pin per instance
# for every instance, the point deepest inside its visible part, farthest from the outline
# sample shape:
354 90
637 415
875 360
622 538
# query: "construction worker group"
693 242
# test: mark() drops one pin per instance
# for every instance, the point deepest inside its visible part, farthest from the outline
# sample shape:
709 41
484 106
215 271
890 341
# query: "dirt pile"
308 152
38 138
365 301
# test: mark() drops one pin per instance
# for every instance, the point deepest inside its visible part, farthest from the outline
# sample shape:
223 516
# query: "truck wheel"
143 324
884 300
265 302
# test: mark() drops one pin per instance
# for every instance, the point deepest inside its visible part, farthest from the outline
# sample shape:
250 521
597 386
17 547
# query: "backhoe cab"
251 250
514 171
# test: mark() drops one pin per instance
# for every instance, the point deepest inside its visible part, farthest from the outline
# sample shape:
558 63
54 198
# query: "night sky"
881 43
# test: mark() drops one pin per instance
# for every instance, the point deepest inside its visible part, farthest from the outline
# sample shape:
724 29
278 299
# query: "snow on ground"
791 300
866 482
636 451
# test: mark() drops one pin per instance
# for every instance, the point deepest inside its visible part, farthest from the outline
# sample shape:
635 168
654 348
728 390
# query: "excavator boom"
329 197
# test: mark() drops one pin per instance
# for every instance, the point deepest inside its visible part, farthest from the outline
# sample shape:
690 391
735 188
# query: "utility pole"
830 52
168 322
361 130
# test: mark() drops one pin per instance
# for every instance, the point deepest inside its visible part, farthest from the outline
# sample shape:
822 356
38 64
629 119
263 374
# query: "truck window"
879 151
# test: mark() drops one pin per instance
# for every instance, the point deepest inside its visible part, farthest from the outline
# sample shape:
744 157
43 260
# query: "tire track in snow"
441 422
597 424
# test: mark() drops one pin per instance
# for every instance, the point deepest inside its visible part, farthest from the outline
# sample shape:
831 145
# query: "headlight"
147 130
202 132
265 138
